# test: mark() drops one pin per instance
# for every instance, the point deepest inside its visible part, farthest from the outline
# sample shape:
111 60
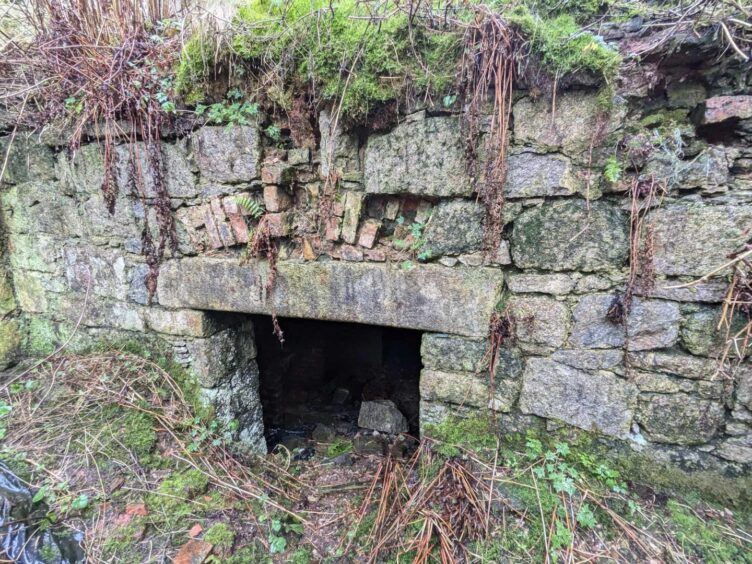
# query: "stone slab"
567 236
694 240
424 157
594 402
426 297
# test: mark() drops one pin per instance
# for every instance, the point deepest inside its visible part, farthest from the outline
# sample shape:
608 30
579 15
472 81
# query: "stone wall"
394 237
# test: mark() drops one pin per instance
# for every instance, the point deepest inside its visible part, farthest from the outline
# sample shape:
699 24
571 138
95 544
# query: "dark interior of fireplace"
324 370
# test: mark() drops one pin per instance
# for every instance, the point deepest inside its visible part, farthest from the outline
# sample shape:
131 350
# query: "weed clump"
354 54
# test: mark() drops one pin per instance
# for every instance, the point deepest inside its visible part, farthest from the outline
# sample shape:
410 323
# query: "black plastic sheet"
20 540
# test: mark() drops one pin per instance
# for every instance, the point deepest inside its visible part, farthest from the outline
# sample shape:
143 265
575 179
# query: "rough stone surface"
539 321
708 171
570 128
353 204
177 167
530 175
38 207
426 297
679 418
228 155
556 284
7 299
449 352
468 390
700 334
456 227
583 359
186 322
216 356
712 291
721 108
736 449
565 236
677 364
594 402
27 160
382 415
652 324
591 328
10 341
744 386
421 157
694 240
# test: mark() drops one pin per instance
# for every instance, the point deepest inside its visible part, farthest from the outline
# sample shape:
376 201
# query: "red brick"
369 231
276 199
375 255
225 233
350 253
278 223
211 229
279 173
333 226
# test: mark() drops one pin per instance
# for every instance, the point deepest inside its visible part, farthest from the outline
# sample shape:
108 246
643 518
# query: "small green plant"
273 132
255 209
21 387
220 535
415 241
228 112
278 528
5 409
612 171
209 432
339 446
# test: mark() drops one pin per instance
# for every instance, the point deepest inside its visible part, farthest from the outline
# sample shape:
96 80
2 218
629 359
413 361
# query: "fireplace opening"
314 385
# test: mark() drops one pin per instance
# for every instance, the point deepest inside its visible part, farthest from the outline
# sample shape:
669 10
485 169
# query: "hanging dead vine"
501 334
262 245
487 71
737 304
103 70
644 194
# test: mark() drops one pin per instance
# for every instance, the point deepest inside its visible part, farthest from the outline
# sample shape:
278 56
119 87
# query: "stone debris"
382 415
323 433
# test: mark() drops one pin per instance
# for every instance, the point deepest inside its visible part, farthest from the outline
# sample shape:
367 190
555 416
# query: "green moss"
120 545
250 553
301 556
342 53
475 433
704 539
10 340
667 476
220 535
339 446
562 45
172 501
138 433
194 67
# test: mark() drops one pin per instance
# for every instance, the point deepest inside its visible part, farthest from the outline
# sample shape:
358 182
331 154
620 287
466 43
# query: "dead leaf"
193 552
116 484
136 509
308 252
195 531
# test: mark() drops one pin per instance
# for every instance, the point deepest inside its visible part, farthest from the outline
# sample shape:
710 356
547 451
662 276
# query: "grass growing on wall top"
361 55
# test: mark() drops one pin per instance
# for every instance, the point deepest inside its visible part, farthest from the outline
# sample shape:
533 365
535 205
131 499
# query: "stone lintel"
427 297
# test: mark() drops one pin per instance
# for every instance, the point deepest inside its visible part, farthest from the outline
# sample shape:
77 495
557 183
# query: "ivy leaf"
41 494
277 545
81 502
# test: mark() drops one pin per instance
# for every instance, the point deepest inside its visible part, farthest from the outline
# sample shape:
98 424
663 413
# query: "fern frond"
254 208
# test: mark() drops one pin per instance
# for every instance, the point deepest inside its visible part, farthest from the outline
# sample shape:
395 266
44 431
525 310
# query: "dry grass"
67 430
